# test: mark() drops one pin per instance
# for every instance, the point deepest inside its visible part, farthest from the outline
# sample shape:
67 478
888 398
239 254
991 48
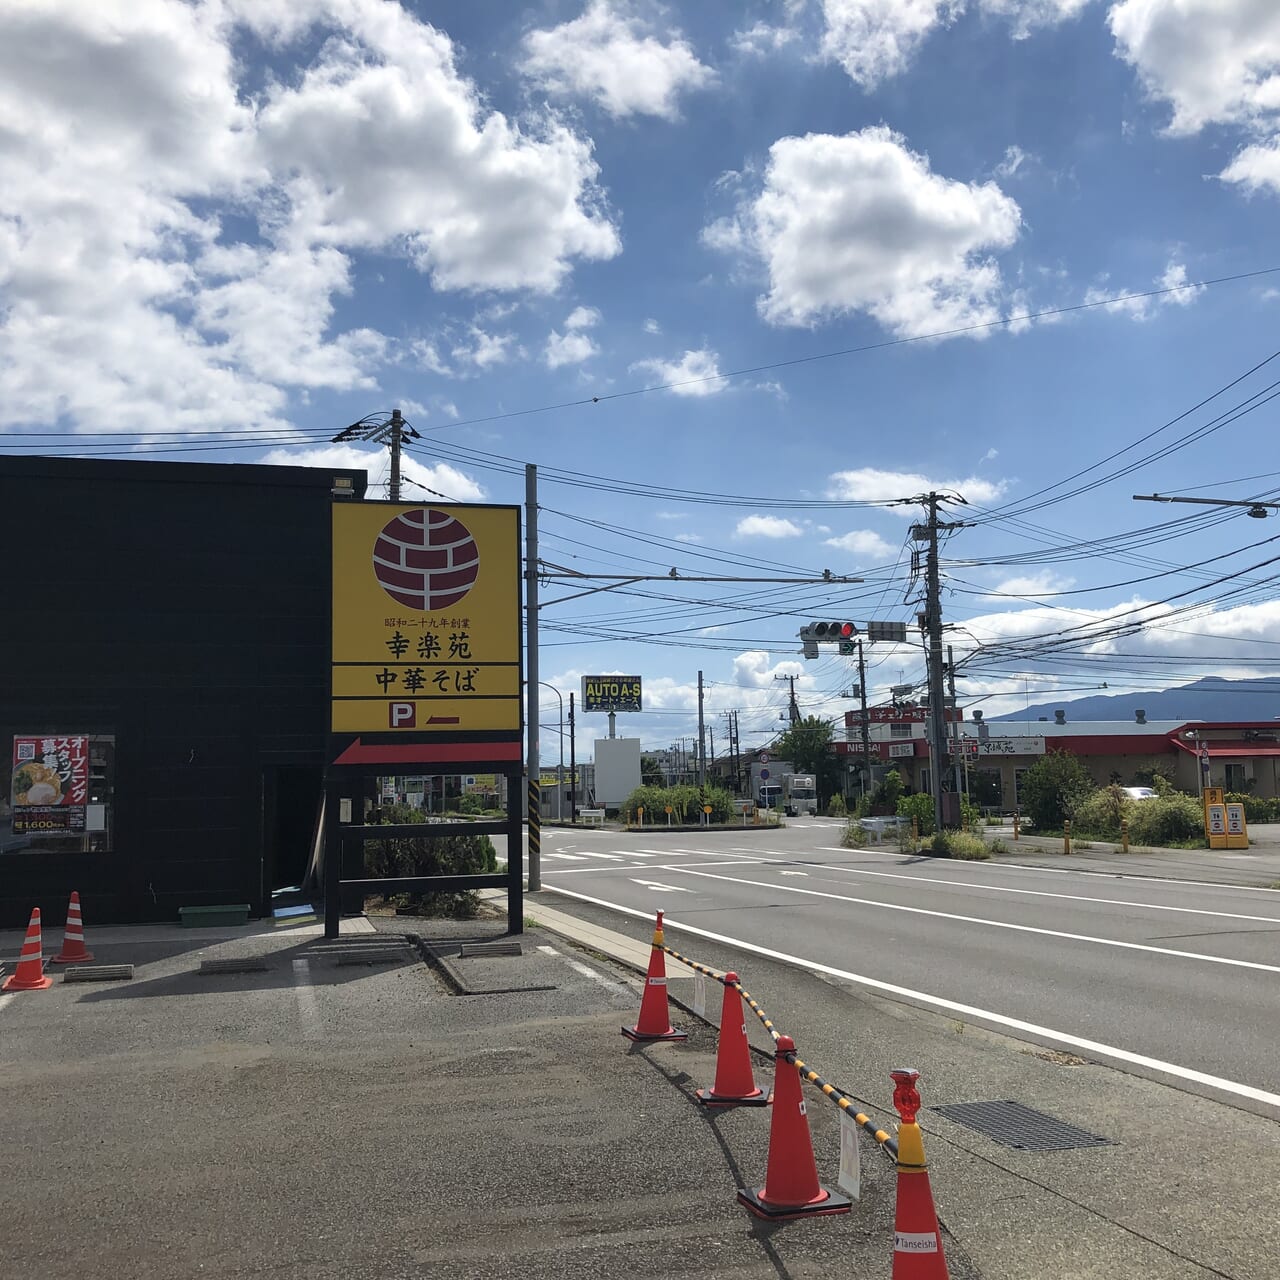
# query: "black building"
164 646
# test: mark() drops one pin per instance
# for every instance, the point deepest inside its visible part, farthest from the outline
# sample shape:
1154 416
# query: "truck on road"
799 794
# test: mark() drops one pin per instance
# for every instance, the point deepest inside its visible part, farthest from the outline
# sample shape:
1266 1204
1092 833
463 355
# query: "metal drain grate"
98 973
490 949
1023 1128
242 964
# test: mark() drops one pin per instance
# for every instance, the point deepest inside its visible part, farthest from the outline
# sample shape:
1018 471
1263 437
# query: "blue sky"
230 228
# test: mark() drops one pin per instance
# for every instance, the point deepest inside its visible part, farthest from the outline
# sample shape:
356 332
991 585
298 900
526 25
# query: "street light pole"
560 766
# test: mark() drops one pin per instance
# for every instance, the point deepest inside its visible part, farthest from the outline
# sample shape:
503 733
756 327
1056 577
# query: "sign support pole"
533 763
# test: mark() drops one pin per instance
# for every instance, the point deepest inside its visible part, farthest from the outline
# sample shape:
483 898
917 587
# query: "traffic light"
841 632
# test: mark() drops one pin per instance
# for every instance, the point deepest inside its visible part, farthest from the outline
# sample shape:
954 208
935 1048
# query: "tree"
1052 787
808 745
651 772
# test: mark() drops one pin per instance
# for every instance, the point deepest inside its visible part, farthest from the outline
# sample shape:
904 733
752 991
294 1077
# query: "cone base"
671 1033
826 1202
709 1098
12 984
62 958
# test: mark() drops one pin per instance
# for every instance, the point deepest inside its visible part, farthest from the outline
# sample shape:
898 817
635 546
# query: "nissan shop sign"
611 693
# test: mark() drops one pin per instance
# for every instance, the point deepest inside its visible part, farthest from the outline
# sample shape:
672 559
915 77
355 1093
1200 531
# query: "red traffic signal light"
834 630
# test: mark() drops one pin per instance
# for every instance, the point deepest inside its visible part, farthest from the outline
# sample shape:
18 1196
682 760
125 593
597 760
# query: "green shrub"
686 804
920 807
998 846
970 815
855 835
1166 820
1100 813
470 804
1256 809
456 855
968 847
1052 788
837 808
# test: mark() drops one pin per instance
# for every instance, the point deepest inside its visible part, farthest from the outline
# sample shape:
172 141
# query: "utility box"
951 814
617 770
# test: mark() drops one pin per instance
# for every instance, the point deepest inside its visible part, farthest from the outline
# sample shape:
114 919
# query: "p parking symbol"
402 715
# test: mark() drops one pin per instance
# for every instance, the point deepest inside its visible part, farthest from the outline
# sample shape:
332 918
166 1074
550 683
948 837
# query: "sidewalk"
484 1119
1255 867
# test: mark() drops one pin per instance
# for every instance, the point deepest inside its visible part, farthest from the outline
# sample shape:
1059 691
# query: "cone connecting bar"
834 1092
887 1141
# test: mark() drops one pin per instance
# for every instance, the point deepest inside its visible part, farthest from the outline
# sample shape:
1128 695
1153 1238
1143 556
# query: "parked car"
1140 793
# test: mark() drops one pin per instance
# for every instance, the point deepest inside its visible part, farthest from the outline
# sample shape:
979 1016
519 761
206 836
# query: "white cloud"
568 348
173 237
1256 167
441 478
582 318
1031 584
688 537
608 55
876 39
652 326
482 349
1026 15
753 670
860 222
1174 276
699 371
991 455
761 39
1214 61
767 527
868 484
864 542
1014 159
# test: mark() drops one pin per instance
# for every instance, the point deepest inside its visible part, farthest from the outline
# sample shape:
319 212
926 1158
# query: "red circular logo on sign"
426 560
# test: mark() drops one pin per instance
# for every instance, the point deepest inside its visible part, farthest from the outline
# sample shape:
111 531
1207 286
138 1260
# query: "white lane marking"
660 888
1075 871
1035 893
308 1006
991 924
588 972
793 873
568 857
953 1006
4 999
635 866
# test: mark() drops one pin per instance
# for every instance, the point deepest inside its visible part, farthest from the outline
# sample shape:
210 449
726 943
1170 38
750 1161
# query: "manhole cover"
1024 1128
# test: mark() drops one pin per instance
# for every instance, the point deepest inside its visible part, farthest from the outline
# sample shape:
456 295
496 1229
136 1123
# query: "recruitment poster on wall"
50 790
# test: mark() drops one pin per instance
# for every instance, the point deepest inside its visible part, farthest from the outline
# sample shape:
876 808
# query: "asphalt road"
1174 981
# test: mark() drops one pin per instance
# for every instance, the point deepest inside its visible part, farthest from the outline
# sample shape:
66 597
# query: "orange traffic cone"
29 975
73 948
791 1188
735 1086
655 1022
917 1244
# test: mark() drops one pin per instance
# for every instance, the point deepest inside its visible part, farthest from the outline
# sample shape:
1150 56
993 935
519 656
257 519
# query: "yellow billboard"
426 618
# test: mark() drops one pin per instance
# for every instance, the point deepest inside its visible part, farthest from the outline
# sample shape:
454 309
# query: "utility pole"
959 760
391 429
533 763
933 629
702 739
793 711
573 767
866 723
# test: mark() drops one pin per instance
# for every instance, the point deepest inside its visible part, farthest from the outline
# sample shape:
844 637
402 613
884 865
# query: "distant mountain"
1207 699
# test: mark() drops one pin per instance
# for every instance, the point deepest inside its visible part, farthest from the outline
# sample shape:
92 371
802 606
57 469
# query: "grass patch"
958 844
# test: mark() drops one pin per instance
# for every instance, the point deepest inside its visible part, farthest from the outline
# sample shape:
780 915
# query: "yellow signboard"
426 618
